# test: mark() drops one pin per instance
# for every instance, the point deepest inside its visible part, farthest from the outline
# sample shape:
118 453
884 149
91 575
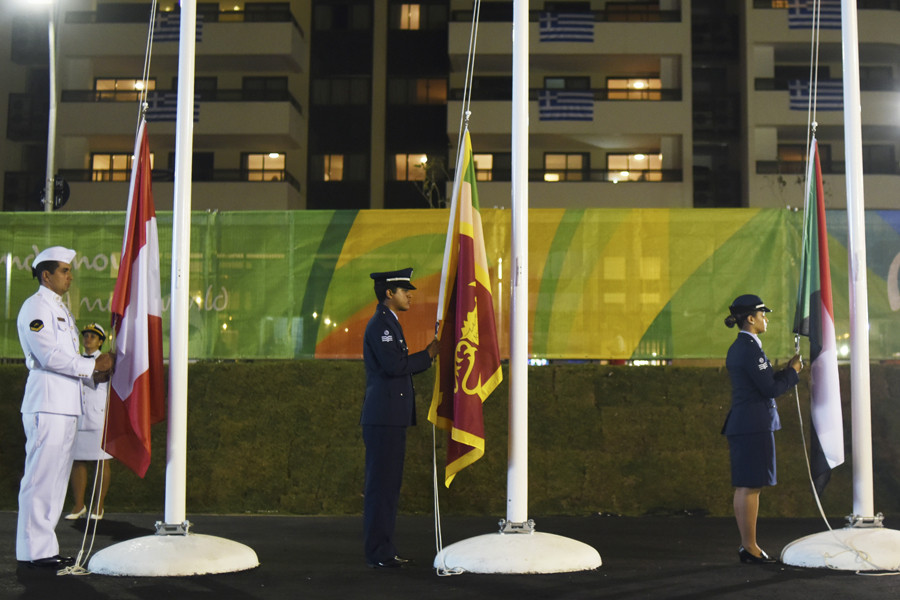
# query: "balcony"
667 35
879 19
275 42
624 117
274 118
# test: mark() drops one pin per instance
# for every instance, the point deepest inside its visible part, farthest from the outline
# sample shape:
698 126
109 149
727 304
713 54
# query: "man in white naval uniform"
51 406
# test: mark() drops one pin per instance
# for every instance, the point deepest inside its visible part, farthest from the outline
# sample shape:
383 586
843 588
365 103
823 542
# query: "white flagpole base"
518 553
173 555
847 549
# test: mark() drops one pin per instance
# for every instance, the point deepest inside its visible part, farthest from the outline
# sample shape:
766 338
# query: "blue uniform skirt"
752 459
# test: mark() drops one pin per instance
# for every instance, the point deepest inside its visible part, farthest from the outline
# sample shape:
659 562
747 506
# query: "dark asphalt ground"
321 557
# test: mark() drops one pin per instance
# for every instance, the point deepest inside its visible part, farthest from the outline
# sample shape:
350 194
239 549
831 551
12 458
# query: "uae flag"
137 395
815 318
468 364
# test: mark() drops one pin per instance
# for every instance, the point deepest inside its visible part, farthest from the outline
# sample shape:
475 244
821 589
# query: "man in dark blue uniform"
388 409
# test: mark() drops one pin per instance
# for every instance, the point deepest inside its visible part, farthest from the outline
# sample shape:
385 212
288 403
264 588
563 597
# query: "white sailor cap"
57 253
96 329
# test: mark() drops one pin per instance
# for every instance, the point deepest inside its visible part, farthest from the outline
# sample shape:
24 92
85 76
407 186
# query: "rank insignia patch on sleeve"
36 325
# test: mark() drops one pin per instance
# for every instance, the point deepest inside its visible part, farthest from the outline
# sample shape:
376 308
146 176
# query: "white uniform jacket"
93 403
49 340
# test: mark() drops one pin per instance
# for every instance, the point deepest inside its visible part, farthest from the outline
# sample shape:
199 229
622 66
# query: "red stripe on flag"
137 395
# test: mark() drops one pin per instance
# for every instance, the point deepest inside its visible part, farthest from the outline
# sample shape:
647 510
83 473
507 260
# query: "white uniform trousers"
49 443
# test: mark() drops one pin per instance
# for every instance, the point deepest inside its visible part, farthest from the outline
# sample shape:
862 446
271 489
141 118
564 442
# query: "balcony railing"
860 4
600 95
615 12
835 167
165 175
782 84
201 95
262 13
589 175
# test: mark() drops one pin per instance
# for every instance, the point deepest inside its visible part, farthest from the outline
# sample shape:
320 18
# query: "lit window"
112 167
121 90
565 167
264 166
409 16
431 91
484 167
634 167
334 167
410 167
634 88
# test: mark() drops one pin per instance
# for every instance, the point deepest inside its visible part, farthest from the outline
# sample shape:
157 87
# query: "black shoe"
52 562
392 563
762 559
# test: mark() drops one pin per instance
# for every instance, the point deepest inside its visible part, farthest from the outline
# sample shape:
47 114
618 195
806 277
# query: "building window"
112 167
878 158
484 167
333 167
634 167
338 167
409 16
114 89
342 16
264 88
346 91
567 83
634 88
264 166
406 16
417 91
410 167
565 167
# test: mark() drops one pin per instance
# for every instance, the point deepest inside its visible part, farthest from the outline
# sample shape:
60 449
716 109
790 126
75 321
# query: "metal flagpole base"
862 546
168 555
521 552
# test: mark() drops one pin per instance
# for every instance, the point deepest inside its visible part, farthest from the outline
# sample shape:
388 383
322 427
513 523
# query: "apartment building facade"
354 104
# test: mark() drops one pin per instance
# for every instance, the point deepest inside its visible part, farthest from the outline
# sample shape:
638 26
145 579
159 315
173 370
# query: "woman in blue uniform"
753 417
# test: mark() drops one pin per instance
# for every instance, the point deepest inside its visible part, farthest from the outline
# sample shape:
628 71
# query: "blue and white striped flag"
801 14
163 106
557 105
167 27
567 27
829 94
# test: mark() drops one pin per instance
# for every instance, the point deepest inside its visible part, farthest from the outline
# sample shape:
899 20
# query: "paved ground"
320 557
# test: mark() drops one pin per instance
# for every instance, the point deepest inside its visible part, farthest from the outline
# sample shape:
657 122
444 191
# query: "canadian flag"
137 395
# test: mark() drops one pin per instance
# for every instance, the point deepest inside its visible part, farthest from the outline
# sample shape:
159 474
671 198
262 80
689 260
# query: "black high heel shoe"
762 559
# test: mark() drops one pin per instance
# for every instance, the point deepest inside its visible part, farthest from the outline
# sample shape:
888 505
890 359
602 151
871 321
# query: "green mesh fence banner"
645 284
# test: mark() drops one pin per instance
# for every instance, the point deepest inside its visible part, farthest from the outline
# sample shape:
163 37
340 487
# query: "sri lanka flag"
468 364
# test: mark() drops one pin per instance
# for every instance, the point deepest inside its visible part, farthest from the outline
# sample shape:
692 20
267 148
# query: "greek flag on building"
167 27
566 27
558 105
829 94
801 14
162 106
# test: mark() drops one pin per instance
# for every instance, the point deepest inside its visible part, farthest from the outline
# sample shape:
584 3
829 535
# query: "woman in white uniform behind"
89 438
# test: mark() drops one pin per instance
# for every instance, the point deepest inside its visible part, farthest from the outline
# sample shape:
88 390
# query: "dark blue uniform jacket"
389 369
754 387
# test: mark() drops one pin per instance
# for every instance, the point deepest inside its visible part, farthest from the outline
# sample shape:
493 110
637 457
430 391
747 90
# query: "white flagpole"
176 450
517 547
860 396
865 544
174 551
517 474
